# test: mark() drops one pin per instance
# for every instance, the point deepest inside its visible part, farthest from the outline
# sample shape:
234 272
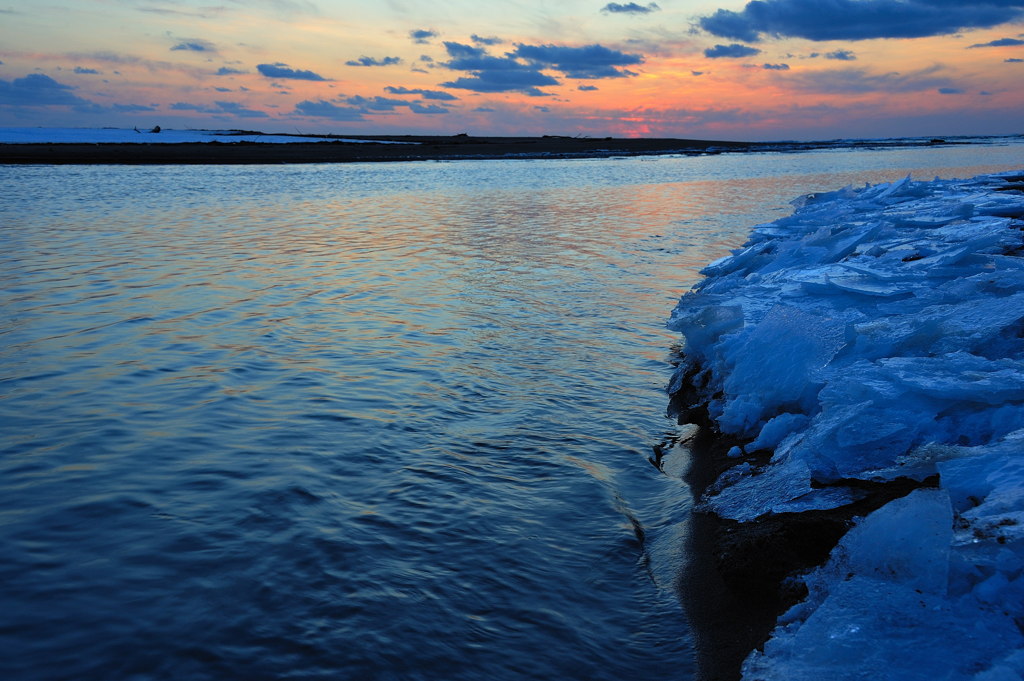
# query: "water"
361 421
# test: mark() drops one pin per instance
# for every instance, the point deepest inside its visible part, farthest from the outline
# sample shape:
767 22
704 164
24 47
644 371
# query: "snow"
145 136
878 333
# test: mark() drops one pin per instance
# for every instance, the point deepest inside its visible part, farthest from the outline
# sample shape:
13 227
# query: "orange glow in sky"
794 69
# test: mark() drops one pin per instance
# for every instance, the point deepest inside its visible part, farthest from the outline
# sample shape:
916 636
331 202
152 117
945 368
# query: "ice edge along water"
874 334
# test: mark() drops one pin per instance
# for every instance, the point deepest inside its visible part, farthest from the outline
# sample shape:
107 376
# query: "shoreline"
377 149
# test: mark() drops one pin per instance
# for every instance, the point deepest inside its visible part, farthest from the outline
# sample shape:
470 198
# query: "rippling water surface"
360 421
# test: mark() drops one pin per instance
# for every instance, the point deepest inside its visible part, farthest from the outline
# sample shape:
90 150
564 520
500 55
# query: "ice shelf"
878 333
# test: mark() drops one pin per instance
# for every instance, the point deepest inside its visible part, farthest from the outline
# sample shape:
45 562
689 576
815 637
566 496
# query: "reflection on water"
386 422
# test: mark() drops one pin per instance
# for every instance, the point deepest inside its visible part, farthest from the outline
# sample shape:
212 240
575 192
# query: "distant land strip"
380 148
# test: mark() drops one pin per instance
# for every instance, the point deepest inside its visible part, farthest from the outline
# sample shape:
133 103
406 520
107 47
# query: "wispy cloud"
861 81
630 8
194 45
1002 42
437 95
223 108
324 109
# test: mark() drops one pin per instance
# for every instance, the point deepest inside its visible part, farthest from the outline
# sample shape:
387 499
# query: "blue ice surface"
873 334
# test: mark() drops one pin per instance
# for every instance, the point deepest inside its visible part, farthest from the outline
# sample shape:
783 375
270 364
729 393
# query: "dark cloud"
859 81
1002 42
629 8
437 95
422 36
841 55
84 71
950 91
775 67
225 71
37 89
587 88
222 89
493 74
194 45
279 70
858 19
733 51
588 62
697 73
370 61
484 109
480 40
1013 60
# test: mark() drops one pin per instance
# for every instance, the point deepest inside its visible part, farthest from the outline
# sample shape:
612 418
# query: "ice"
873 334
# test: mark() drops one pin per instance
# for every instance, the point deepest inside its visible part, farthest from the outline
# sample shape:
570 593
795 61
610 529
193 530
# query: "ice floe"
874 334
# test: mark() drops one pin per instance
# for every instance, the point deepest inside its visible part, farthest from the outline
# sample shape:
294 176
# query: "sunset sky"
773 69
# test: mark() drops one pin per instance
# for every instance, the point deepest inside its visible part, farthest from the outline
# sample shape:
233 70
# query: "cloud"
493 74
859 81
437 95
37 89
422 36
194 45
324 109
629 8
132 108
588 62
858 19
1002 42
841 55
280 70
429 109
222 89
775 67
225 71
525 81
1013 60
587 88
950 91
374 103
370 61
83 71
733 51
480 40
221 108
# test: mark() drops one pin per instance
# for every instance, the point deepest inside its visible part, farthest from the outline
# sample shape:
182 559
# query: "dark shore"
248 150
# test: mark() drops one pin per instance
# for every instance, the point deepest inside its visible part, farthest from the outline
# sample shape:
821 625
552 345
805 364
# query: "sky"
760 70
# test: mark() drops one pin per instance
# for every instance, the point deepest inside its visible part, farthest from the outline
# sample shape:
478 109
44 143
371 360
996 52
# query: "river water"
362 421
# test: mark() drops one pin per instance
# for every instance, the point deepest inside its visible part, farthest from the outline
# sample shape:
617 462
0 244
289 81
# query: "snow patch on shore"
874 334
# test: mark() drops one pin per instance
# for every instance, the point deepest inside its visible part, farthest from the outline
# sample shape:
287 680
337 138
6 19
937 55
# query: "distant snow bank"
878 333
131 136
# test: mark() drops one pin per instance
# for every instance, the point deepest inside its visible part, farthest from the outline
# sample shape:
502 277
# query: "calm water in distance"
361 421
